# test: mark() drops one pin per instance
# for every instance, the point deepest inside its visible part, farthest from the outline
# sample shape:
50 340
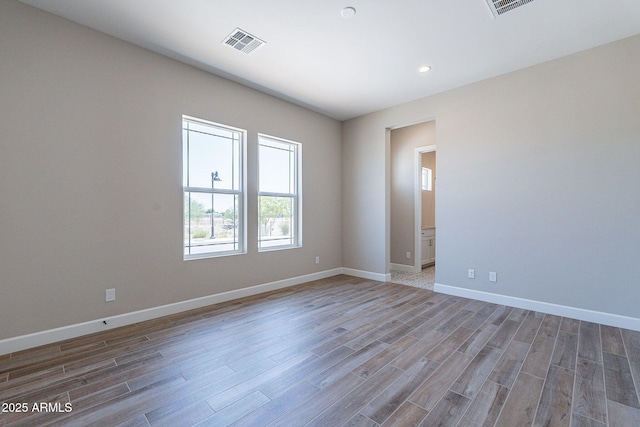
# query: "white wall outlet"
317 259
110 295
408 254
493 276
471 273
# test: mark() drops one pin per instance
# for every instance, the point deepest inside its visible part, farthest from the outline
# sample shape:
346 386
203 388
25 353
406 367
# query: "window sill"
279 248
211 255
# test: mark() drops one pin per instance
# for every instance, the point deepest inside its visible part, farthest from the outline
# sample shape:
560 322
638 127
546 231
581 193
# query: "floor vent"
242 41
498 7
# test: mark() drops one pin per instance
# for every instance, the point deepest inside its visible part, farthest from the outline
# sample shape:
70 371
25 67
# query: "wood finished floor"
338 351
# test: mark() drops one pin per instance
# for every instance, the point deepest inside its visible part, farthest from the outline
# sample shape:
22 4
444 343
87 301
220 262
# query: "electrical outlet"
471 273
110 295
408 254
317 259
493 277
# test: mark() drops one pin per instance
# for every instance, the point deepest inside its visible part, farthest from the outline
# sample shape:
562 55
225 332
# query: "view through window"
278 193
213 188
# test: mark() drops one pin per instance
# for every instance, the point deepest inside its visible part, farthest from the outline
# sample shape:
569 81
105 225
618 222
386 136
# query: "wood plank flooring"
333 352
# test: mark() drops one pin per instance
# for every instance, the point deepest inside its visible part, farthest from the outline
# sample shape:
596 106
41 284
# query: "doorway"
407 144
425 207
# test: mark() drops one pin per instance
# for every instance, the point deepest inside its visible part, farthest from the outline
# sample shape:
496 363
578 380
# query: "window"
278 193
427 179
213 180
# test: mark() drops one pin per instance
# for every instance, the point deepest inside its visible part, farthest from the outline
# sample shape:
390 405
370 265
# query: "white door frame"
417 201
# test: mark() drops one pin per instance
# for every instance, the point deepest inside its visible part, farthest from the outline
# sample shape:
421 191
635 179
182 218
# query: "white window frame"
296 195
427 179
240 192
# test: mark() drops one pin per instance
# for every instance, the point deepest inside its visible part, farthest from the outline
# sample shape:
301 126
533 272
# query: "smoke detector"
242 41
498 7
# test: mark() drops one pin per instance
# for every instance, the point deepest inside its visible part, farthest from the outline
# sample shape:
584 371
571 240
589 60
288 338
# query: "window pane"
213 162
211 150
211 223
277 167
426 179
277 225
185 157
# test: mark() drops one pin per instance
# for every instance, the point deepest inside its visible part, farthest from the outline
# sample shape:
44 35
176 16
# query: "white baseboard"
403 267
367 274
23 342
543 307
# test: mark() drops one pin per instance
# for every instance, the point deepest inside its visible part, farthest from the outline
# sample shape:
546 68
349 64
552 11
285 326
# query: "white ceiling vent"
498 7
242 41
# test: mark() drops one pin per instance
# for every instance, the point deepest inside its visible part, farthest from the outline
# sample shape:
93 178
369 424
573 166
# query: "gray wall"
90 176
538 180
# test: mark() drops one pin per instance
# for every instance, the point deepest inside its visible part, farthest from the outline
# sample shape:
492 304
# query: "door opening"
425 207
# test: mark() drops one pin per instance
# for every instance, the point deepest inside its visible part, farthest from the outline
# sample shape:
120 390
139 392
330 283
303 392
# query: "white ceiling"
349 67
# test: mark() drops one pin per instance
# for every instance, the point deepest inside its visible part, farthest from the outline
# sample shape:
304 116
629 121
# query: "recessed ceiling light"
348 12
424 68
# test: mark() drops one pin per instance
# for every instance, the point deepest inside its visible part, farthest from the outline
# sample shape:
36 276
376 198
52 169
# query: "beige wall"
429 197
91 196
403 179
90 176
537 180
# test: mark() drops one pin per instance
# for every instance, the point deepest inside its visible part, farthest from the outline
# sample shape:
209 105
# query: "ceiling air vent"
498 7
242 41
